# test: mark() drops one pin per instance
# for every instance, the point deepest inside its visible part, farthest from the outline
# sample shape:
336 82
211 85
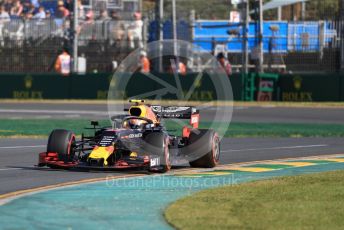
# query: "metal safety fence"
301 46
33 45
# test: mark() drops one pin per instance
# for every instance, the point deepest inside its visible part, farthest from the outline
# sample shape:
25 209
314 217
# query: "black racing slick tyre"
156 144
61 142
205 147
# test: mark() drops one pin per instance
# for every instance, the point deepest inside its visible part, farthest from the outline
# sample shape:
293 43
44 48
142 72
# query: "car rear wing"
175 112
179 112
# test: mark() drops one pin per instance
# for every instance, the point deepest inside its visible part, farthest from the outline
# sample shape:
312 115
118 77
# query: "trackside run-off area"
141 201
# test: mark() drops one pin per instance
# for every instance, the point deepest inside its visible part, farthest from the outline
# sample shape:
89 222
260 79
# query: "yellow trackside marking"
250 169
187 172
214 173
188 175
199 174
294 164
334 159
217 173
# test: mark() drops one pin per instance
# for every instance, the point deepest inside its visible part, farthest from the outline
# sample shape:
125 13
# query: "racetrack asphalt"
257 114
18 157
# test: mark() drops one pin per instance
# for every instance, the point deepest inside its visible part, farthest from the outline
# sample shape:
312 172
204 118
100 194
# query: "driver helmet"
134 123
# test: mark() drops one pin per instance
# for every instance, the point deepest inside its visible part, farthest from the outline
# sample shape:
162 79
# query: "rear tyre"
204 146
61 142
157 145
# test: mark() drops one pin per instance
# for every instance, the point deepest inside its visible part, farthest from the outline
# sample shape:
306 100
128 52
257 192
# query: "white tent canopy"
278 3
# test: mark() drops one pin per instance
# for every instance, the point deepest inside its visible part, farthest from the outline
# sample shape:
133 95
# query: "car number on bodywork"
154 161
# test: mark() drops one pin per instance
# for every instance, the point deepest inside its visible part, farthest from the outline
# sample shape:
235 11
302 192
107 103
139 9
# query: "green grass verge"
183 103
300 202
42 128
37 128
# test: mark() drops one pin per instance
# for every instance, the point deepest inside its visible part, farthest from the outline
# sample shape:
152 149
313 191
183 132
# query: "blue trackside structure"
307 36
288 37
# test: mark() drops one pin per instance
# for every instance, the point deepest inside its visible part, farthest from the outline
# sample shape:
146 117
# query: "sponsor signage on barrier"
26 92
96 86
297 93
38 86
310 87
298 88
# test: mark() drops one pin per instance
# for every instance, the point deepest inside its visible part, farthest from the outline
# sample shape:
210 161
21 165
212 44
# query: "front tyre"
62 142
156 144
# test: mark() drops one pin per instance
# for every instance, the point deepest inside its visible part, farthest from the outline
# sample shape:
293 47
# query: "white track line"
43 117
22 147
72 116
15 118
275 148
10 169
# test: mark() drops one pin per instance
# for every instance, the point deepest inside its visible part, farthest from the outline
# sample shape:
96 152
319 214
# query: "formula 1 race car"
137 140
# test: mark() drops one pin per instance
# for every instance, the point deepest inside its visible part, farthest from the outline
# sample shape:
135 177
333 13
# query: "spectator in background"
40 14
28 8
117 28
17 9
135 31
8 4
181 67
47 14
144 62
62 64
28 16
305 41
4 16
4 19
60 14
81 10
89 17
61 11
254 58
26 5
35 3
68 4
114 15
67 32
86 29
99 5
103 15
226 65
